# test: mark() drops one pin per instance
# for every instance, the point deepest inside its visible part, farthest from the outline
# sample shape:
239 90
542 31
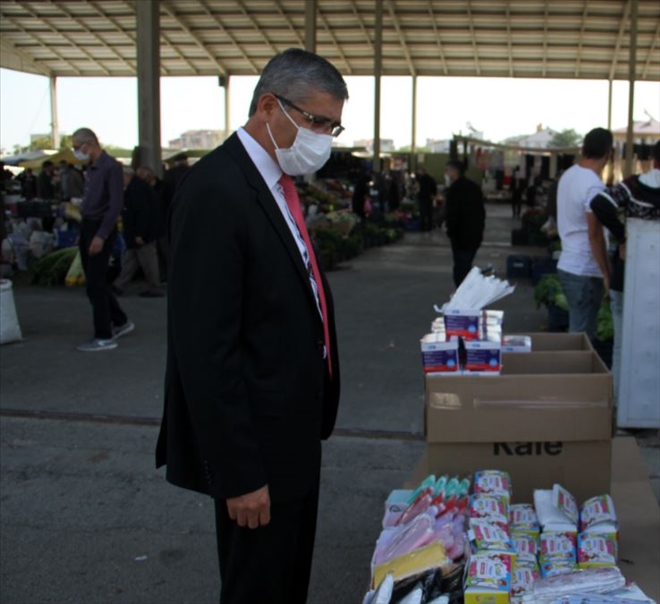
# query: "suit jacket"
248 396
140 214
465 213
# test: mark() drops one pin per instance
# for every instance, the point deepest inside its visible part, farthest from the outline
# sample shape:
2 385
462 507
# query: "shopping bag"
75 275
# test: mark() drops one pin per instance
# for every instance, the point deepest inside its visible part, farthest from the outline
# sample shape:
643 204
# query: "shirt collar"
268 168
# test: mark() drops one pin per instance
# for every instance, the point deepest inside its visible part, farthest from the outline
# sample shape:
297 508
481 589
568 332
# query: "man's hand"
96 245
252 509
139 241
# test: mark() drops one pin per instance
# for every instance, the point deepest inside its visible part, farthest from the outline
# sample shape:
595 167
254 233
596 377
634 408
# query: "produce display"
463 540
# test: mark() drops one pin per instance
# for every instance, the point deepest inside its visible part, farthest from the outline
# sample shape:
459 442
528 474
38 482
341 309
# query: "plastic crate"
542 265
519 237
66 239
518 266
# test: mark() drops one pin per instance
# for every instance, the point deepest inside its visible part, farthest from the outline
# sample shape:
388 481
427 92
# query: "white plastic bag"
10 330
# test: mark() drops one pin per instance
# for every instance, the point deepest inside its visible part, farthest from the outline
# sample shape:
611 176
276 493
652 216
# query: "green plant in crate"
548 293
605 329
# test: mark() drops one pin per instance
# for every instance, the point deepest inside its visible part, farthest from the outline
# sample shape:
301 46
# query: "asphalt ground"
86 518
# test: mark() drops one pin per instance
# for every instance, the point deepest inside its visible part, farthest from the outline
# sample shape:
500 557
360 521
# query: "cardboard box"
555 342
546 419
636 508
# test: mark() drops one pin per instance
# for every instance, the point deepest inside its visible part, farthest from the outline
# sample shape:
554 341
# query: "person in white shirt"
583 268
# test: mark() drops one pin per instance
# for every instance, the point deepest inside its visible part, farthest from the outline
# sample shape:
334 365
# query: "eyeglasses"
317 122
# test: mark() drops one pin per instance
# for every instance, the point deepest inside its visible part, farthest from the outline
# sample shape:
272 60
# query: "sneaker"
97 345
122 330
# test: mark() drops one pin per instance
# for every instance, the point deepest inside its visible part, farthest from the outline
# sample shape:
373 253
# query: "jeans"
584 296
463 258
616 306
105 308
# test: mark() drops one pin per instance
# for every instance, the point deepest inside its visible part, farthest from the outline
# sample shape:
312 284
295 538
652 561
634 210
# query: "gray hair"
295 74
85 135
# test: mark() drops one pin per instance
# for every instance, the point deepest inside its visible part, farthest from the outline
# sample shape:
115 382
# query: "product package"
493 482
488 578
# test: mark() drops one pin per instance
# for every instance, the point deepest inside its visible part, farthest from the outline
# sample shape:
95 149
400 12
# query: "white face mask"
307 154
79 155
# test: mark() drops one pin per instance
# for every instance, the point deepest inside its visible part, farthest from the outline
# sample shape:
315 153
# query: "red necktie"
292 201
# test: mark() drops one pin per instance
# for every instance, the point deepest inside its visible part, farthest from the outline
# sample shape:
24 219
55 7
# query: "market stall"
522 495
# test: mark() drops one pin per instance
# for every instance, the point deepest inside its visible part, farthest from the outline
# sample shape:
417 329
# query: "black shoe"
152 294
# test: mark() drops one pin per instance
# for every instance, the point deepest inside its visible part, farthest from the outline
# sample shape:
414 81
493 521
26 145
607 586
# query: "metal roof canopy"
581 39
584 39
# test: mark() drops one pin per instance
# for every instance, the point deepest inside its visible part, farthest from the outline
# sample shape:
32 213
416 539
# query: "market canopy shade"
584 39
56 157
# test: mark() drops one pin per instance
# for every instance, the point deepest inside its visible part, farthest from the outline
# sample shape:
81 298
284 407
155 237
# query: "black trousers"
270 564
463 258
105 308
426 214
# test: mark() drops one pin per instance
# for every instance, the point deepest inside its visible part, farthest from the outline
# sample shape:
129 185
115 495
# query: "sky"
498 107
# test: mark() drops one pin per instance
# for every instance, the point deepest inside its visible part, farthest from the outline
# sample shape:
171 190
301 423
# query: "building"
539 140
644 132
197 139
386 144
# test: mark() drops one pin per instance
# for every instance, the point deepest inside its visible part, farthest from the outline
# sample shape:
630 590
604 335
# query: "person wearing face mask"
465 218
252 384
102 204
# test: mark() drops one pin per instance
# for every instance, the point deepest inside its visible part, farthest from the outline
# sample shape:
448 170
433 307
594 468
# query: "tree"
66 142
566 138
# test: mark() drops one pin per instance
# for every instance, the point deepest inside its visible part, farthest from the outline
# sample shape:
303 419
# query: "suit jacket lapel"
269 205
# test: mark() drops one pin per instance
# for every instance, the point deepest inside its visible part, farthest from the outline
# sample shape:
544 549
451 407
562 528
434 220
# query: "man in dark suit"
252 382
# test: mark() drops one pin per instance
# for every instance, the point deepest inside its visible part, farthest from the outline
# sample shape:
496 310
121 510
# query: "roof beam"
651 50
40 43
91 33
223 29
65 36
363 27
257 28
582 27
474 39
545 39
170 11
402 40
335 42
292 27
14 58
436 33
129 34
508 36
622 28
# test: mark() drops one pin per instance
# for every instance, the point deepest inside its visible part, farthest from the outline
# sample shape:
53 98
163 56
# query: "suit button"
320 344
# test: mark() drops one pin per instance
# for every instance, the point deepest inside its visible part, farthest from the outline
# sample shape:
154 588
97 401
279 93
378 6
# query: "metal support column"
413 139
310 25
54 120
378 68
226 80
148 63
628 169
609 105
